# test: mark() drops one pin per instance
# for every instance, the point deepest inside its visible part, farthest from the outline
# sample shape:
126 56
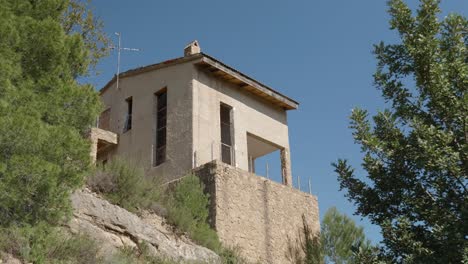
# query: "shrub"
45 244
231 256
307 248
124 183
187 208
138 255
184 204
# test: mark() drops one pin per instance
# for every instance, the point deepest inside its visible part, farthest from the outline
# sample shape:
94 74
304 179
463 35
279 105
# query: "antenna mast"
119 49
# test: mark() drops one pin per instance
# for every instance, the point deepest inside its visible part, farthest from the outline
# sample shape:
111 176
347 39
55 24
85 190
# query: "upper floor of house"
179 114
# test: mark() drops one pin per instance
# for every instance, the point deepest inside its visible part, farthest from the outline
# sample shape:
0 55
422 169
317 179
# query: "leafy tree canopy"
44 112
415 153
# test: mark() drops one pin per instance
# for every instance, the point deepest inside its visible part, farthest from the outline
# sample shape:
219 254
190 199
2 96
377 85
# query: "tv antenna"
119 49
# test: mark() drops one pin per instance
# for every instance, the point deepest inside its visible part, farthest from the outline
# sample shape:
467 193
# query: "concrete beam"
97 135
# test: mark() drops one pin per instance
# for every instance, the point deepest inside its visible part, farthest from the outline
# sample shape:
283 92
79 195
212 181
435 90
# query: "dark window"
128 117
226 134
161 122
104 120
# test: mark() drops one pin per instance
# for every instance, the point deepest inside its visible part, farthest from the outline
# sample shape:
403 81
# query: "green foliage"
231 256
365 254
44 244
339 234
78 17
138 255
187 208
416 152
340 242
307 248
312 246
44 112
124 183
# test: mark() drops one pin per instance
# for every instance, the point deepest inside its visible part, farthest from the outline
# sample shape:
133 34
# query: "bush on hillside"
139 255
185 205
231 256
45 244
187 208
124 183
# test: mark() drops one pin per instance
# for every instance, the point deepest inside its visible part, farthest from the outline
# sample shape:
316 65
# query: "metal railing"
214 151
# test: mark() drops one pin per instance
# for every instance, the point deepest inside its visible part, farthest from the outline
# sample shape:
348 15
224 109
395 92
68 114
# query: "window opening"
161 122
128 117
227 154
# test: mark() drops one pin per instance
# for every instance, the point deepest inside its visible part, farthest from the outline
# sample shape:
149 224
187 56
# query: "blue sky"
315 51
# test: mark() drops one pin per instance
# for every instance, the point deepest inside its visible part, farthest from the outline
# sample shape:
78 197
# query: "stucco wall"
137 143
193 121
256 214
250 114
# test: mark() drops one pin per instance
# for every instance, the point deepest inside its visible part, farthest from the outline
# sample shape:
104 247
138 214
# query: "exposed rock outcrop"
116 227
8 259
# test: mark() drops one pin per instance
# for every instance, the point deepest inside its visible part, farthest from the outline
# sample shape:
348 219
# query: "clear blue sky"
317 52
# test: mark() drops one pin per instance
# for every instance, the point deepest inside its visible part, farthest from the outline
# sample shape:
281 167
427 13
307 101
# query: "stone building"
195 113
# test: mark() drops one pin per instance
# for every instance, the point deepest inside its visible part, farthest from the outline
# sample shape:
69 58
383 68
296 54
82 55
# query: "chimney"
192 48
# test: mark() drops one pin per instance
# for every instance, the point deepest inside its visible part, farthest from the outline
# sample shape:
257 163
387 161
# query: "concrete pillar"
94 146
286 167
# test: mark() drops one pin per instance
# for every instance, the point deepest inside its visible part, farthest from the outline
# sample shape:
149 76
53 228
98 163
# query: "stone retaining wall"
255 214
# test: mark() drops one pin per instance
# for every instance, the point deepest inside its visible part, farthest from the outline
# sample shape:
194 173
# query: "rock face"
8 259
115 227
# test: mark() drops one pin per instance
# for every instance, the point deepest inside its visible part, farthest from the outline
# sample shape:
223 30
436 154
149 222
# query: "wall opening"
227 141
264 158
159 155
104 119
128 117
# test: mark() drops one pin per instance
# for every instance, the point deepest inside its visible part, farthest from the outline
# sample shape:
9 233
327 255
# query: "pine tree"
339 235
44 112
416 151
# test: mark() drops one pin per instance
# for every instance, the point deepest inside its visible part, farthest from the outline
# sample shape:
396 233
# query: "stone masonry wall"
255 214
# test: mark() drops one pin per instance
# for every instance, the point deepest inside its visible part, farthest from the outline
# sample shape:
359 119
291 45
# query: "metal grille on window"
226 135
128 118
161 122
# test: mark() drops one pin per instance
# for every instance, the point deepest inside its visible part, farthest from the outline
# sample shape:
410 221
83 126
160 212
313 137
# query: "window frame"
128 120
160 128
231 144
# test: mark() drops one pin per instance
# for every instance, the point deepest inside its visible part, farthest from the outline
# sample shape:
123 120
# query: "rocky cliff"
116 227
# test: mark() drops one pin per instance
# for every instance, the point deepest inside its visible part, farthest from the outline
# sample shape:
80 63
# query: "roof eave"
223 71
151 67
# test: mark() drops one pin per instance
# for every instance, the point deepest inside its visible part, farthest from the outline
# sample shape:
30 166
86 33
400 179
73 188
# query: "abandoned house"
196 114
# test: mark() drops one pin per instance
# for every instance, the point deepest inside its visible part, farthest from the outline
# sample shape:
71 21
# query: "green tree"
79 18
339 234
415 153
44 112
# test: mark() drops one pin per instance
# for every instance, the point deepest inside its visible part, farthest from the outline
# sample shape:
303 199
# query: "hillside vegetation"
183 203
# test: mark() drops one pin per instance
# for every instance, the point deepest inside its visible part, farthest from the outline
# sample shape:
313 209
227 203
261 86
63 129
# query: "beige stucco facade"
250 115
194 97
138 143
